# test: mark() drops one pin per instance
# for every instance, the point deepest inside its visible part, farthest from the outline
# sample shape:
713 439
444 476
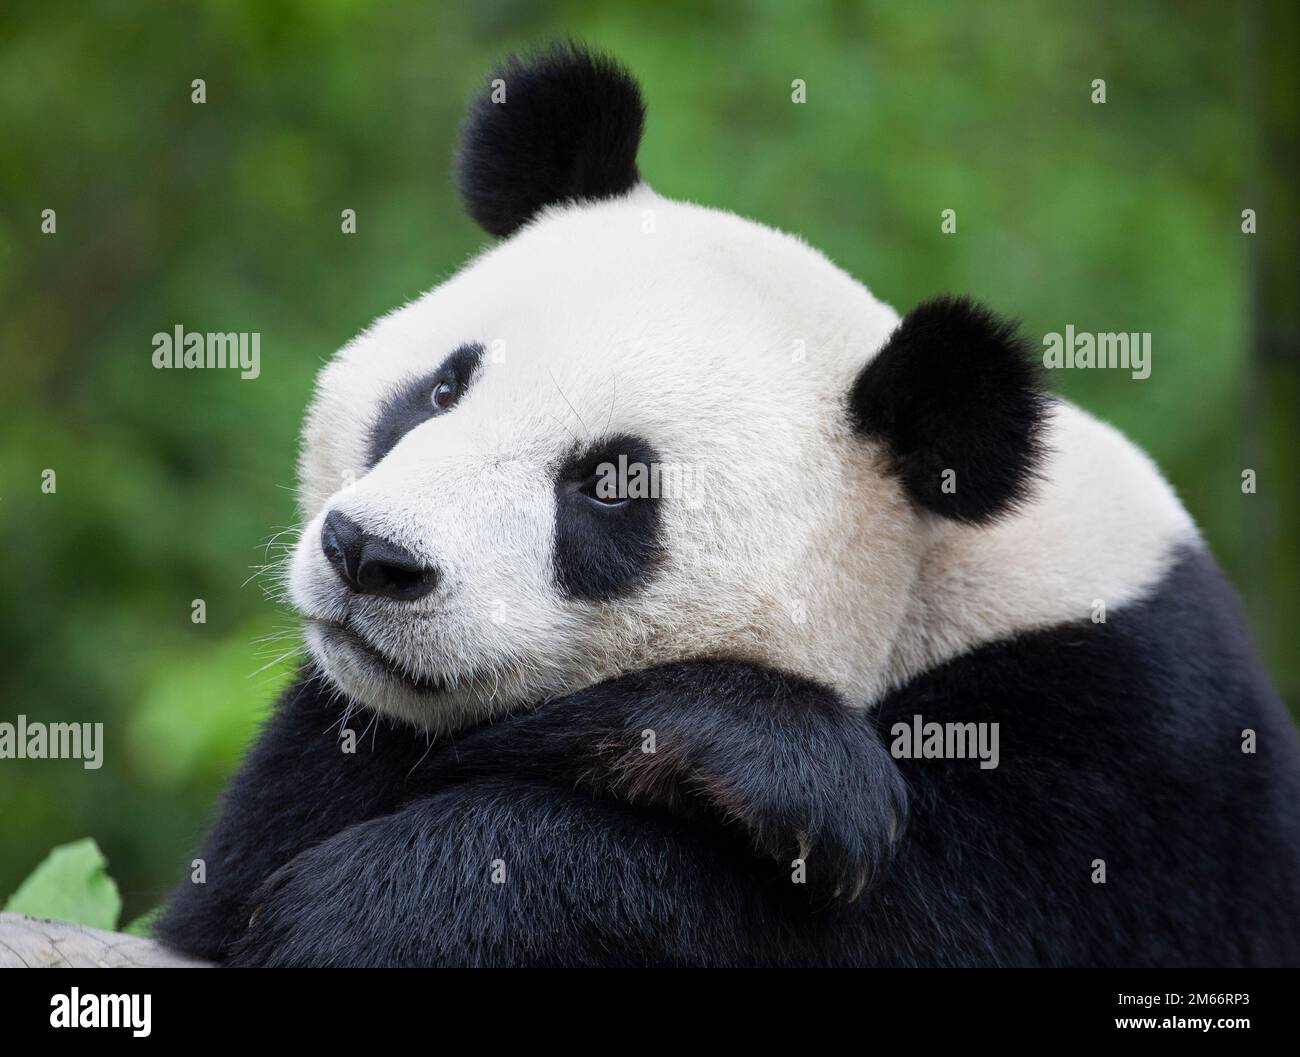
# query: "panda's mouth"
374 658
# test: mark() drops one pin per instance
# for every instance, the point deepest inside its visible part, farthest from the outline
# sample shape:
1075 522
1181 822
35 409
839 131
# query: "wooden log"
38 943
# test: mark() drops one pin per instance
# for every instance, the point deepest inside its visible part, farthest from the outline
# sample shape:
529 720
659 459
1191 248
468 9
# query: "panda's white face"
832 492
454 562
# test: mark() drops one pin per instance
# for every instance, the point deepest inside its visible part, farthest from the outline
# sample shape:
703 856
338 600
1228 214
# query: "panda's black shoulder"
1142 809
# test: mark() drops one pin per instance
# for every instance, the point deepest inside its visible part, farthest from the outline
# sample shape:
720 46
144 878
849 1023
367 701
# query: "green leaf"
72 884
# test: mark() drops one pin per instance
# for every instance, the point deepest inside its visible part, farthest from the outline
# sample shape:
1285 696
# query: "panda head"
635 431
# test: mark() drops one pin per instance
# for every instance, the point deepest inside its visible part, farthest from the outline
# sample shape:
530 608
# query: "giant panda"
547 722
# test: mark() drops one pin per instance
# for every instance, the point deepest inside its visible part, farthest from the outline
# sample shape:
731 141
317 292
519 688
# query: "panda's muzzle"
371 565
375 658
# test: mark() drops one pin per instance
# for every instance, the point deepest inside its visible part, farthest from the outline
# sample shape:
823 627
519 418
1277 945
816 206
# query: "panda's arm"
299 785
778 758
511 871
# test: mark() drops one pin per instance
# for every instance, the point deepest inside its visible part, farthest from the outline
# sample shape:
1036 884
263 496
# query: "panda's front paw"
838 850
833 823
807 779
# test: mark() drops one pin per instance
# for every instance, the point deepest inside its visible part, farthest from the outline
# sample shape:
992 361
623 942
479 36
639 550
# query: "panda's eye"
444 395
599 492
421 398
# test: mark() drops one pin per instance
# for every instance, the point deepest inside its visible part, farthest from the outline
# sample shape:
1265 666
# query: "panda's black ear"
550 127
957 398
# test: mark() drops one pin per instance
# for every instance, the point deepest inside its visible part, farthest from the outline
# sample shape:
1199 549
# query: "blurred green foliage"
226 216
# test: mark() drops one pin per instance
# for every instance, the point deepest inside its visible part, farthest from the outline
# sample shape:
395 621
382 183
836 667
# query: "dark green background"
225 216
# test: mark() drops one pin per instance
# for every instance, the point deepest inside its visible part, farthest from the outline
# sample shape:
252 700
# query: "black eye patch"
605 547
422 399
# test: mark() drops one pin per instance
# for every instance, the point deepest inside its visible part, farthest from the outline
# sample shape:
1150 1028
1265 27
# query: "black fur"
955 389
1119 741
602 552
412 404
568 129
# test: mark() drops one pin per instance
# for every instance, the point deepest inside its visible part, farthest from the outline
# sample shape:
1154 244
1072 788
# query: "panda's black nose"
370 565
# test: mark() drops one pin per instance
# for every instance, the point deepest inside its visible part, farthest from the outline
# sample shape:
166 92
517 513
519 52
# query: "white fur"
731 348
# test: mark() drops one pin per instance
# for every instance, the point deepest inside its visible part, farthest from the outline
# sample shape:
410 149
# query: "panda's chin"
372 658
365 675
